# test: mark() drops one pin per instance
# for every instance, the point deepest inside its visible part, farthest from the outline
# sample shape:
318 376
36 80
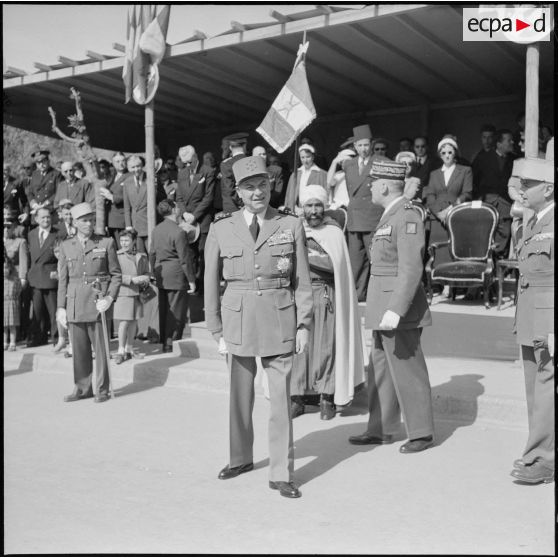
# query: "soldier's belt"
389 270
259 285
89 279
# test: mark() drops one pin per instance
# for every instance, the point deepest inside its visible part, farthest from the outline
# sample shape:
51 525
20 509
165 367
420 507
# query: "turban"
313 192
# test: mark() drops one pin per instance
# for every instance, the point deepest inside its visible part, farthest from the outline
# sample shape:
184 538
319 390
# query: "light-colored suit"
398 376
534 321
268 295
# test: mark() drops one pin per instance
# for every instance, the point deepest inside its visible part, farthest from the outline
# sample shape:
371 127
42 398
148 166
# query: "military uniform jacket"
534 318
42 188
43 260
231 200
79 268
268 291
194 194
362 214
396 256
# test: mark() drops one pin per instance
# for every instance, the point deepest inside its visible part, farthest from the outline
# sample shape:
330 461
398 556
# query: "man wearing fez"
265 312
237 147
396 311
89 280
44 180
362 214
534 319
334 362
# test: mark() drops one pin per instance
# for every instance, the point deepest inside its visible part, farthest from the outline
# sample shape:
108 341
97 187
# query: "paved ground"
138 474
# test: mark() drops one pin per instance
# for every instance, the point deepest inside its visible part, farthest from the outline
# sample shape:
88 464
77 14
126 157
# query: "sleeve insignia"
411 228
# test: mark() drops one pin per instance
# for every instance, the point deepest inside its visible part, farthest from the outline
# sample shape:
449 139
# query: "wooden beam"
281 18
67 61
324 9
15 71
42 67
119 47
200 35
95 55
238 26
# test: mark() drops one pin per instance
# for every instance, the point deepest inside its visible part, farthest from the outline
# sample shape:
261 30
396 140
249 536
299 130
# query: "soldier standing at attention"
89 280
265 312
396 311
534 319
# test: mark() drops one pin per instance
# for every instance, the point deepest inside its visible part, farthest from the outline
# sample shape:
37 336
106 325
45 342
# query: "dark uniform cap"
238 136
41 155
388 170
362 132
247 167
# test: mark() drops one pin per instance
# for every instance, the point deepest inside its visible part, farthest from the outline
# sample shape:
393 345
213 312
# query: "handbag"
146 294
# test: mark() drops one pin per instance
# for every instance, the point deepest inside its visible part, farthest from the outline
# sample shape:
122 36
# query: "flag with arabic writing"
293 109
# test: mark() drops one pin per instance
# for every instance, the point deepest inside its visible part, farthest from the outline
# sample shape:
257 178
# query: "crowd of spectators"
38 198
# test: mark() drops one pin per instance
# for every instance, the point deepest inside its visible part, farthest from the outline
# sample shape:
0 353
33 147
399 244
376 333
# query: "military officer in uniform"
265 312
89 280
534 318
237 146
396 311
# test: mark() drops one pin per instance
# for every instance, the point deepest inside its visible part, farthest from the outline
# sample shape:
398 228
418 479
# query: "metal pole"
532 101
150 168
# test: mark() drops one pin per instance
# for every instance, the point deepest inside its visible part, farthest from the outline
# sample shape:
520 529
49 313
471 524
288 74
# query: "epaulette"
410 205
286 211
222 215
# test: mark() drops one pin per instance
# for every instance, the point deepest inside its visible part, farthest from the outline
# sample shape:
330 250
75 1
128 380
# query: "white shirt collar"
248 216
544 211
391 204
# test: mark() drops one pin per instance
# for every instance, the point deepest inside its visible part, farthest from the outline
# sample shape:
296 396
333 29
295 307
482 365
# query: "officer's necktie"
254 227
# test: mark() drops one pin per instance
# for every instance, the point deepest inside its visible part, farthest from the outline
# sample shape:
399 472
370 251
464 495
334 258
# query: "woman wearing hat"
448 186
307 173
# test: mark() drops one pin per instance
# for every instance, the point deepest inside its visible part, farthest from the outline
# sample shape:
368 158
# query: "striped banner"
145 47
291 112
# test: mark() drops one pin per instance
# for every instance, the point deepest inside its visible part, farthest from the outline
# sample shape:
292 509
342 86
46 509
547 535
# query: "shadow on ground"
25 365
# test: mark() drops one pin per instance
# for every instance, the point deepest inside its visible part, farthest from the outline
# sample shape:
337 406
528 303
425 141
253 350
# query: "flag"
146 34
292 110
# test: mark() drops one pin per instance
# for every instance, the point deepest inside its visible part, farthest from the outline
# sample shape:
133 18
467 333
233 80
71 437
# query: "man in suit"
265 312
534 319
65 227
237 147
43 278
14 196
424 163
71 188
275 173
111 188
173 266
135 201
396 311
89 280
42 188
362 214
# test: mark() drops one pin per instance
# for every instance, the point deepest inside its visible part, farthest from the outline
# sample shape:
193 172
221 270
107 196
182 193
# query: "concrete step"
466 390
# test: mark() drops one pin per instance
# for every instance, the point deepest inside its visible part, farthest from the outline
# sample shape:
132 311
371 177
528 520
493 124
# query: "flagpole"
296 139
150 168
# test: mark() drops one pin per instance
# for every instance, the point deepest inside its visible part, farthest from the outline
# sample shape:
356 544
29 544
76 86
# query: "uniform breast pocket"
99 264
72 264
539 256
282 259
233 262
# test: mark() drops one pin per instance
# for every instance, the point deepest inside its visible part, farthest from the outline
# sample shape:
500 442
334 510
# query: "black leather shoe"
76 396
167 349
367 439
297 409
231 472
533 474
420 444
327 410
101 398
286 489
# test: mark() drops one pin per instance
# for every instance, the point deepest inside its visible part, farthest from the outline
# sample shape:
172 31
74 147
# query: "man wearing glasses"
534 319
73 189
424 164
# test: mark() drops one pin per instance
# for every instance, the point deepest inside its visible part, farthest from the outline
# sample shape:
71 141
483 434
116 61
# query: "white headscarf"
313 192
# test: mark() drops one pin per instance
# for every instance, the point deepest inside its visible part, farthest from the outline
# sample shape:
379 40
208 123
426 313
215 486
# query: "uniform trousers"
173 309
280 429
83 335
398 381
44 314
539 387
358 243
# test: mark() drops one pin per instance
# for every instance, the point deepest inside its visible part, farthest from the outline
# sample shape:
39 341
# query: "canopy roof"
360 60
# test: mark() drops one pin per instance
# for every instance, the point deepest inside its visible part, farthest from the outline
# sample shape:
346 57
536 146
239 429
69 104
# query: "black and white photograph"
279 279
